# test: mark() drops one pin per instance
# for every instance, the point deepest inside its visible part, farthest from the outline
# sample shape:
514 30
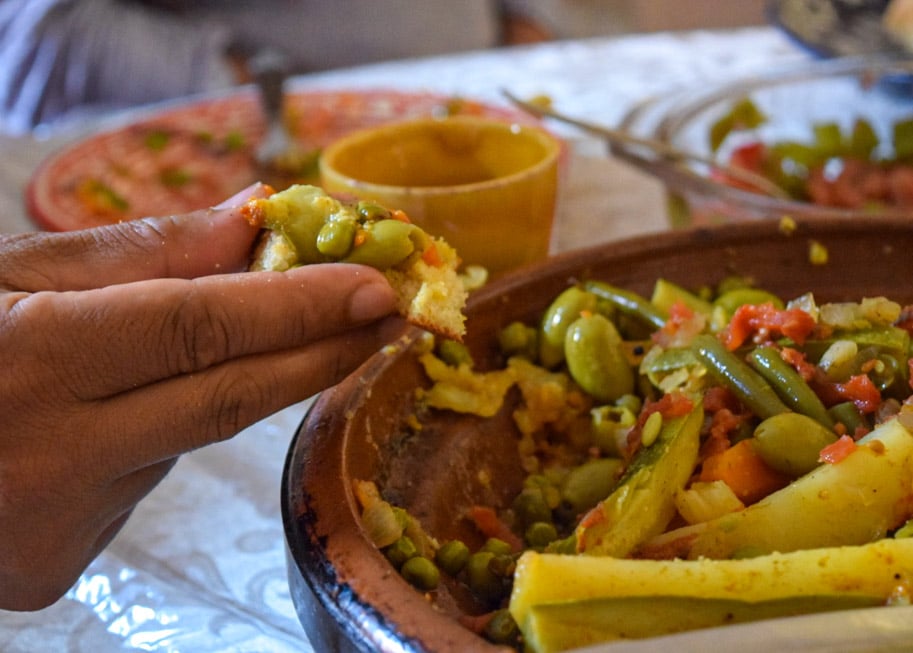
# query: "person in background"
65 58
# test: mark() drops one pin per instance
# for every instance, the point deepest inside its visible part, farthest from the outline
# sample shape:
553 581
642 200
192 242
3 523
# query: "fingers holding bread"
303 225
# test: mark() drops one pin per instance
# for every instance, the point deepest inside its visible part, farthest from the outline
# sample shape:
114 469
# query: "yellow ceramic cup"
487 187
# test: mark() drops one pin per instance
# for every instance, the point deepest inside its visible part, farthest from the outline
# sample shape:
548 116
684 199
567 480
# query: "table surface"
200 565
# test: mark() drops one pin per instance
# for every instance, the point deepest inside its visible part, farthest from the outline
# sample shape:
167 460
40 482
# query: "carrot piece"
490 525
432 256
743 470
399 214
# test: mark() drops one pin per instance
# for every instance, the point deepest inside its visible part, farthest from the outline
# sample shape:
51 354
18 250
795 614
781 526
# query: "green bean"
628 302
421 573
452 556
848 414
788 384
589 483
563 310
596 358
734 373
791 442
387 243
501 628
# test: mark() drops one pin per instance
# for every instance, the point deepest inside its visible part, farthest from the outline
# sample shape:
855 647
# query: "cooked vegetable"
563 602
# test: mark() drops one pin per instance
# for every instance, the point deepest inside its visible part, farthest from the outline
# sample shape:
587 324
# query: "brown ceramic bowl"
347 595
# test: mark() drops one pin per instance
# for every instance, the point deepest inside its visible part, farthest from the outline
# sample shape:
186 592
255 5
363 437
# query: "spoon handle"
626 141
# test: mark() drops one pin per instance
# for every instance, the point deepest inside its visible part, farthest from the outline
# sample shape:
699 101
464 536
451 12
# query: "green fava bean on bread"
303 225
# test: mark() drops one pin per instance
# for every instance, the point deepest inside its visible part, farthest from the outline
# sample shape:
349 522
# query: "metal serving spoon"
630 144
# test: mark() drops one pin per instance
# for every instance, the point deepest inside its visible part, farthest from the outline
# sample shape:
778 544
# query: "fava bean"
371 211
791 442
530 506
454 353
496 546
730 370
563 310
336 237
596 358
519 339
788 384
386 243
589 483
628 302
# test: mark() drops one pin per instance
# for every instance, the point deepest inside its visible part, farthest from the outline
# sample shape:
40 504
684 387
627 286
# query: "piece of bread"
304 225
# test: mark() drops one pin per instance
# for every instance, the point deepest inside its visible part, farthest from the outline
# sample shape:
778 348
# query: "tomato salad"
849 168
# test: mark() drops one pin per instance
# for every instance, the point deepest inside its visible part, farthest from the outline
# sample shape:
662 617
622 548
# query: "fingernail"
254 190
371 301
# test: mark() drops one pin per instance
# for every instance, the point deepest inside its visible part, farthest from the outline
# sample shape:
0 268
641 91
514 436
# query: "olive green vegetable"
519 339
454 353
501 628
628 302
496 546
788 384
733 372
401 551
336 237
731 300
483 582
387 243
848 414
531 506
452 556
540 534
421 573
596 358
371 211
791 443
667 293
563 310
589 483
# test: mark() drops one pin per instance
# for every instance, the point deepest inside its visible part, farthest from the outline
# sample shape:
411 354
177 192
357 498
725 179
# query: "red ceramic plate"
193 155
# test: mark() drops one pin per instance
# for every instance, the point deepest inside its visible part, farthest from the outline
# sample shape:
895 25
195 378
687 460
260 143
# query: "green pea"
501 628
531 506
387 243
503 565
335 238
496 546
540 534
791 442
454 353
518 339
596 358
481 580
400 551
589 483
564 309
369 210
421 573
452 556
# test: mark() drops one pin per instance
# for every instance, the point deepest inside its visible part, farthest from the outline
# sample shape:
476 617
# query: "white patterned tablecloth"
200 565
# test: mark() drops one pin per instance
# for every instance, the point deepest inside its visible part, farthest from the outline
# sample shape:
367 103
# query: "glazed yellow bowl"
488 187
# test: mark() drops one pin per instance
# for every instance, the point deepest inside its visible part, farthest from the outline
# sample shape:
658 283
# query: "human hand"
128 345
